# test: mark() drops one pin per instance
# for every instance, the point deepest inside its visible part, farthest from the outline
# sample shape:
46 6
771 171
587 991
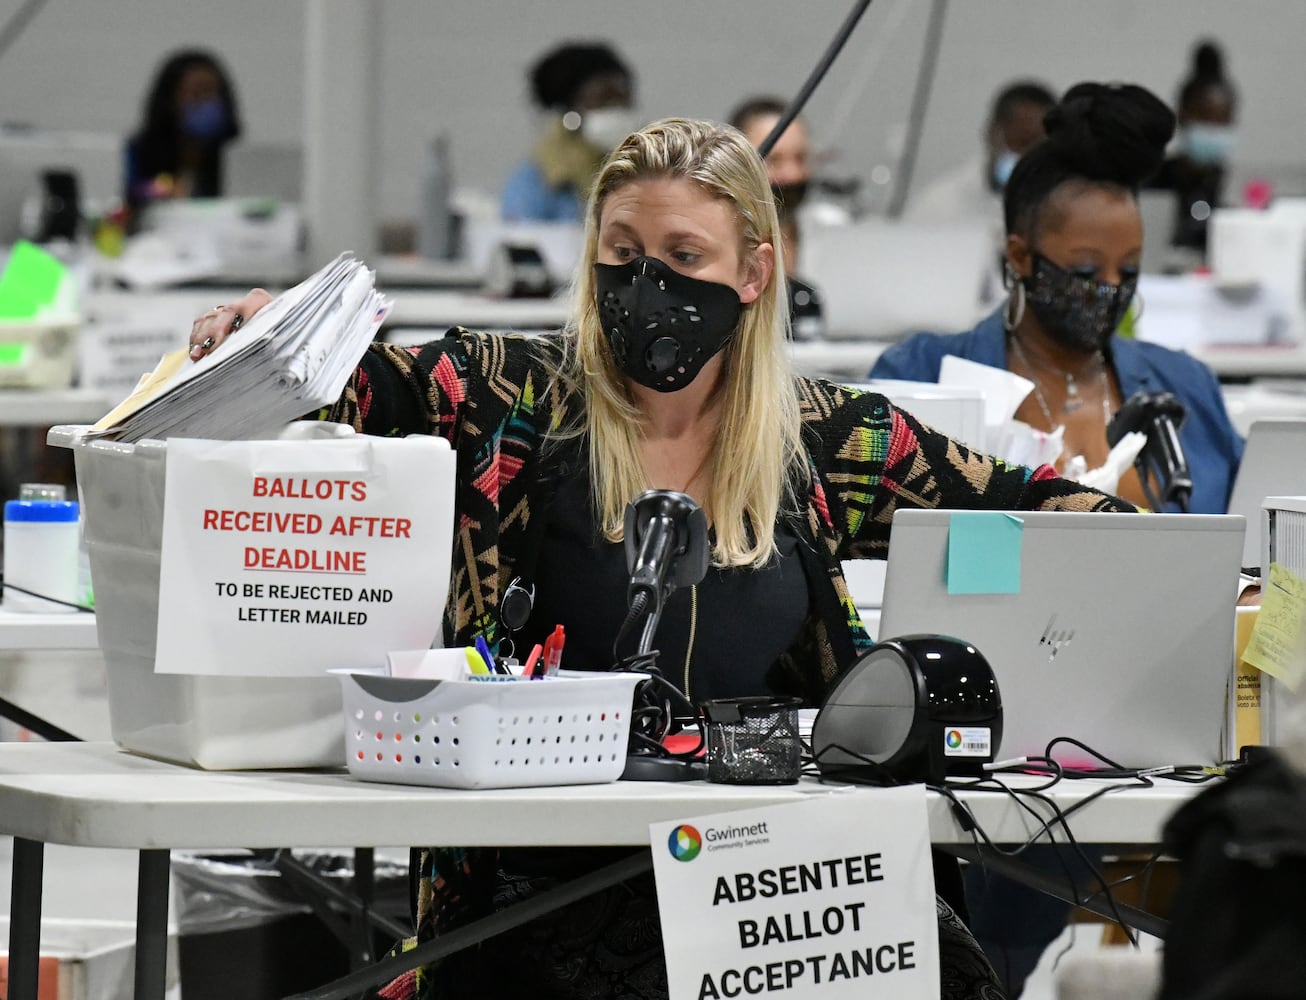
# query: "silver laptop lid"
1120 634
1273 464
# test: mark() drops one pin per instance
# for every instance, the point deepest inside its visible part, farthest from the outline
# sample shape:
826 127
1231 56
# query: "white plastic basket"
492 732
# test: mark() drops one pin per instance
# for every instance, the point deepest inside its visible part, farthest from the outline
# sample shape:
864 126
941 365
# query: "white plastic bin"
490 732
217 723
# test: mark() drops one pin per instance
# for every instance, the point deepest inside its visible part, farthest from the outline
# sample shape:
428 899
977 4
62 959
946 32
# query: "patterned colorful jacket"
495 400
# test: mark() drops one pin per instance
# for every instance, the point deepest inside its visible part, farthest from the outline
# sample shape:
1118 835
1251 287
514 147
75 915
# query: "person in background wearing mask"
788 165
974 189
190 115
788 168
588 93
1074 240
1207 105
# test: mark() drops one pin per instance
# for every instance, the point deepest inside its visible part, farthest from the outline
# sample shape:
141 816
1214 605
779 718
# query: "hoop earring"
1014 311
1138 313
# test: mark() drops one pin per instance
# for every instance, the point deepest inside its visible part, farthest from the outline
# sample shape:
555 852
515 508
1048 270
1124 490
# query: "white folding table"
93 795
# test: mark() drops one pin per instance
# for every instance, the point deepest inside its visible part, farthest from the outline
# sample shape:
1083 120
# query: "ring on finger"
237 321
207 343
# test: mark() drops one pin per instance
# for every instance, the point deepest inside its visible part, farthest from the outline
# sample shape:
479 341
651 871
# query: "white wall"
460 65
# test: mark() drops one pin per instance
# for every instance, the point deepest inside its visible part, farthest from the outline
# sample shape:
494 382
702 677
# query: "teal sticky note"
30 281
984 552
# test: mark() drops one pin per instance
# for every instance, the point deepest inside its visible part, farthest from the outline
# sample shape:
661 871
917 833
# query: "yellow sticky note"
1278 642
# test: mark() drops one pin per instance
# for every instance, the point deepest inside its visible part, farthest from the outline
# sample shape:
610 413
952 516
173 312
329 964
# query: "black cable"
1060 817
46 597
817 74
656 698
872 772
1047 752
920 102
635 612
18 23
46 730
852 773
1187 773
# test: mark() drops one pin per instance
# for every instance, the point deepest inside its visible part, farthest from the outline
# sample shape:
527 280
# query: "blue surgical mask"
1003 164
1209 145
204 119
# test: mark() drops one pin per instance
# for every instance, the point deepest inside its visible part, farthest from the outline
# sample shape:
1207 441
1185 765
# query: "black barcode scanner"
1161 464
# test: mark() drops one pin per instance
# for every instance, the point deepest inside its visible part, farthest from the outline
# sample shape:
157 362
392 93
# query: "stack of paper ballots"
292 357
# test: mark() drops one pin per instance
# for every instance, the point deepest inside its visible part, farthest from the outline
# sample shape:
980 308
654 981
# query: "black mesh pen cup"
753 741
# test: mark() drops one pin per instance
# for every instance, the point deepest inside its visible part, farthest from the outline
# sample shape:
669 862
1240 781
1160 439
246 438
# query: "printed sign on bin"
289 558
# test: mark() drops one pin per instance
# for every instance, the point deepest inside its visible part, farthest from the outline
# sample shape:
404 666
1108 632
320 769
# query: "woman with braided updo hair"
1074 242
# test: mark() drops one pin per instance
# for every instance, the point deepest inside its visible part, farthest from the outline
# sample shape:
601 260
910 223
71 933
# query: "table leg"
152 924
365 891
25 918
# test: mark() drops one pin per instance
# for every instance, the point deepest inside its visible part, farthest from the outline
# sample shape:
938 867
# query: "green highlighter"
30 281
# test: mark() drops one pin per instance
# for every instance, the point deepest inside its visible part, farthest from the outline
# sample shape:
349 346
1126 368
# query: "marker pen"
553 651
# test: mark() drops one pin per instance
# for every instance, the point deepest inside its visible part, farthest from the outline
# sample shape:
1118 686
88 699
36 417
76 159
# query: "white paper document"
292 357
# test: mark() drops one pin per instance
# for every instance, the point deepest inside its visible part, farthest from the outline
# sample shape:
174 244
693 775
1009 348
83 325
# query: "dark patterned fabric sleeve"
876 458
409 390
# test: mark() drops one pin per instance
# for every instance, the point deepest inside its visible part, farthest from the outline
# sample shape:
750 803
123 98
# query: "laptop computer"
874 283
1120 634
1272 465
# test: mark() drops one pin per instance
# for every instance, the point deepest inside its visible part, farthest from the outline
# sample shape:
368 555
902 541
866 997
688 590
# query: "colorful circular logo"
685 842
954 739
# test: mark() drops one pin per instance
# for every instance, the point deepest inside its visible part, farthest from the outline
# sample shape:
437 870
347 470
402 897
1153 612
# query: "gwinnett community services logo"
685 843
954 739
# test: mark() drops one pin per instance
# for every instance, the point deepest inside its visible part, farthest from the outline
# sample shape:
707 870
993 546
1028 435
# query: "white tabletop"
842 360
854 358
45 407
21 630
93 795
1254 361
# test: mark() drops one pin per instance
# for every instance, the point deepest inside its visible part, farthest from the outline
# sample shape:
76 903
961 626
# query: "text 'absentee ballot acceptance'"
289 558
826 898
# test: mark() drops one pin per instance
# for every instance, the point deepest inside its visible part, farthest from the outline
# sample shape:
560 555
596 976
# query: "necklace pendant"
1072 403
1072 387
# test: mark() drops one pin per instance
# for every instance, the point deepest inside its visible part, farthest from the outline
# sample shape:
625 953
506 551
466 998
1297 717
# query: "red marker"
531 661
553 651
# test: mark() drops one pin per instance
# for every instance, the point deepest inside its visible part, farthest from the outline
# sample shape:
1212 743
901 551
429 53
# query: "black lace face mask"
663 326
1075 310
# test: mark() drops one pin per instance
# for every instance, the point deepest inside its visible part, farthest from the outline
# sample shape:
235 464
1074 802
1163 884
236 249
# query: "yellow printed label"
1276 645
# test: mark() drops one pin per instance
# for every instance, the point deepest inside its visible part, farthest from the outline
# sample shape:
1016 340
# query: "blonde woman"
672 375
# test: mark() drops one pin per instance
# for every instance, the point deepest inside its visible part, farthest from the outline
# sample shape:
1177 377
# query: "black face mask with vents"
663 326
